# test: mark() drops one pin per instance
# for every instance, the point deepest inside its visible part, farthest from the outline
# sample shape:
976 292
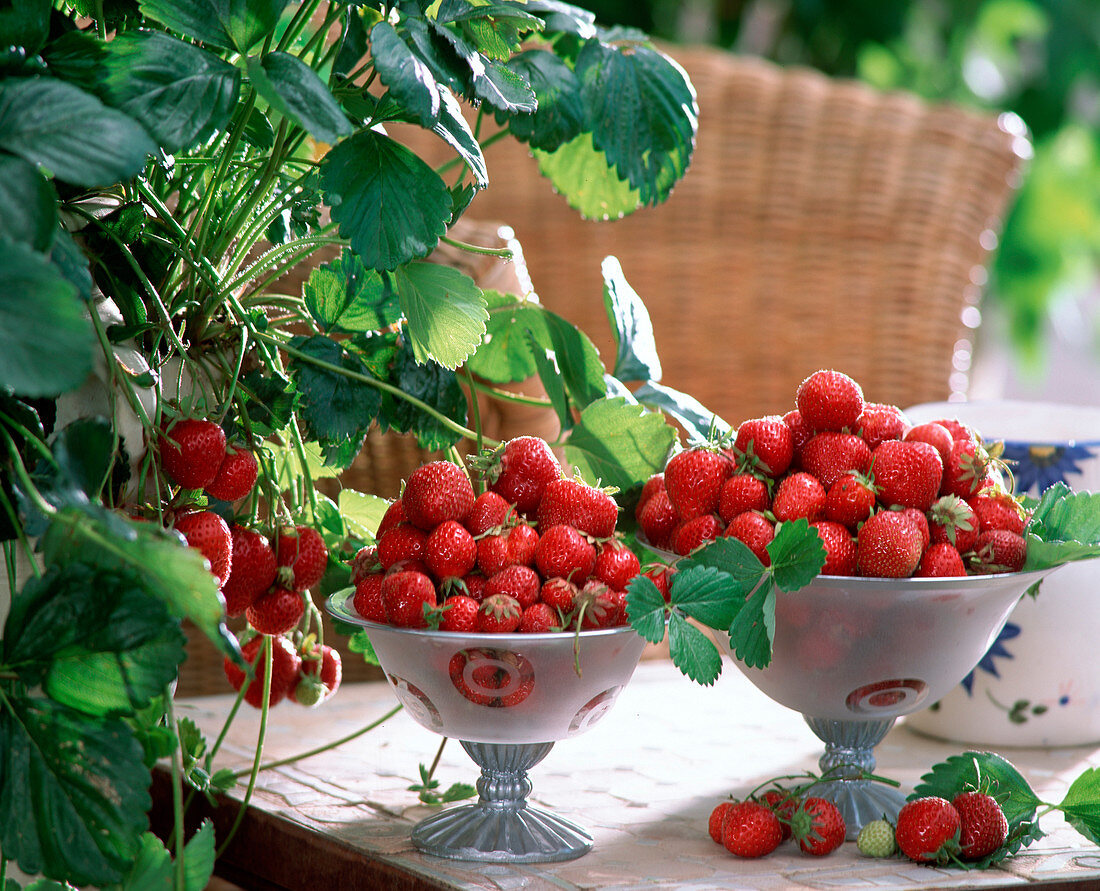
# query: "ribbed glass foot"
502 826
849 757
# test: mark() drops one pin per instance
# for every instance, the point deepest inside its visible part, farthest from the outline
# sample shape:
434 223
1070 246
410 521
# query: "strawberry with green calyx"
319 674
876 839
661 576
560 594
952 520
830 455
754 529
364 563
598 606
907 474
616 564
742 492
694 533
252 570
276 611
818 826
750 829
191 451
302 556
539 618
499 614
210 535
573 502
437 491
764 445
998 550
694 478
851 499
840 547
458 613
565 552
984 827
519 471
236 477
784 803
490 511
406 597
968 466
515 545
285 664
997 509
927 830
829 400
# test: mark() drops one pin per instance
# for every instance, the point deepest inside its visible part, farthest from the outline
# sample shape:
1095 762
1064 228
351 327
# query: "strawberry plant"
164 164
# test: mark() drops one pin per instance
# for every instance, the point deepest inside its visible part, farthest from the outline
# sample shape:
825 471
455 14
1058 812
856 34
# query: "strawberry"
252 570
742 492
800 494
513 547
459 614
817 826
661 576
927 830
965 468
693 480
695 533
907 473
658 519
954 521
940 560
879 421
319 676
285 664
236 477
997 509
840 547
490 511
367 599
935 435
521 583
539 618
302 553
888 545
276 611
405 596
564 551
437 491
599 606
575 503
394 516
209 534
829 400
191 452
616 564
765 445
830 455
652 486
876 839
755 530
750 829
499 614
851 499
919 519
784 804
800 434
956 428
450 550
401 542
519 471
473 585
717 817
983 826
364 563
560 594
998 550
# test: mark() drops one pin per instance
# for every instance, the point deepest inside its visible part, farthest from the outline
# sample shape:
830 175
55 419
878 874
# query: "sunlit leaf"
445 311
619 443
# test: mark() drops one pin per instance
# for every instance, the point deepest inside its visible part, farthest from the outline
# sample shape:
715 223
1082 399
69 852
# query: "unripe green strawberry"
876 839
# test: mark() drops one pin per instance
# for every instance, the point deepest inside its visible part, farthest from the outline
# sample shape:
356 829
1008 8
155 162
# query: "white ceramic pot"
1039 684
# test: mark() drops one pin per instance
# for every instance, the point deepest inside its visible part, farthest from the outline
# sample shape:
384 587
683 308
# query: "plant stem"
177 801
508 395
503 253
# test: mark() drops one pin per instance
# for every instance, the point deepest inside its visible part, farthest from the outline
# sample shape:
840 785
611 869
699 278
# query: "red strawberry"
473 584
276 611
765 445
364 563
717 817
539 618
983 826
653 485
996 509
965 469
560 594
302 552
956 428
998 550
599 606
840 547
616 564
236 476
879 422
934 434
799 495
209 534
907 473
920 520
927 830
404 597
367 599
784 804
520 470
401 542
437 491
888 545
499 614
191 451
829 400
285 664
751 829
252 570
817 826
575 503
954 521
830 455
521 583
941 560
755 530
513 547
661 576
459 614
742 492
695 533
564 551
318 677
658 519
394 516
851 499
693 480
450 550
800 434
490 511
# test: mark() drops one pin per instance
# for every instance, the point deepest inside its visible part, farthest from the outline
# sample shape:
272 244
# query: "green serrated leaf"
361 511
25 23
645 608
489 80
696 419
733 557
298 93
1065 526
1081 804
454 130
797 555
692 651
445 311
405 74
637 358
549 372
619 443
71 262
30 203
587 180
335 404
229 24
559 116
753 629
432 385
359 642
152 869
707 595
198 855
345 295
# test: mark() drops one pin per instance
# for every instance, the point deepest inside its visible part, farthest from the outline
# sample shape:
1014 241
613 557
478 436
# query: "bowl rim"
337 606
934 582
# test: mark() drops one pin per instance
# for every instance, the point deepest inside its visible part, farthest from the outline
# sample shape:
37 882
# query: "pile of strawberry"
887 498
536 551
756 826
264 577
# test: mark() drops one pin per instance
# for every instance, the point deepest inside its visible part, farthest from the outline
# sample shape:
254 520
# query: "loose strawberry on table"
983 825
927 830
750 829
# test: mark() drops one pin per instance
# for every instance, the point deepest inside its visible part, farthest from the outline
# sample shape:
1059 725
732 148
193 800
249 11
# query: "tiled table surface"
643 781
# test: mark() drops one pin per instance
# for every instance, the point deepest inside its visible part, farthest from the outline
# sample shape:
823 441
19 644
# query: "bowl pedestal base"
848 759
501 826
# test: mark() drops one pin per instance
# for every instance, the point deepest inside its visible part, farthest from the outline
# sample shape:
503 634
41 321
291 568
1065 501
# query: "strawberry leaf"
582 173
619 443
444 309
645 608
697 420
546 363
753 629
797 555
1081 806
692 651
637 358
335 406
346 296
1065 526
707 595
733 557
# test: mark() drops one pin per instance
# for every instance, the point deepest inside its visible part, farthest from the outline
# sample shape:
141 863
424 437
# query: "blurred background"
1039 332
